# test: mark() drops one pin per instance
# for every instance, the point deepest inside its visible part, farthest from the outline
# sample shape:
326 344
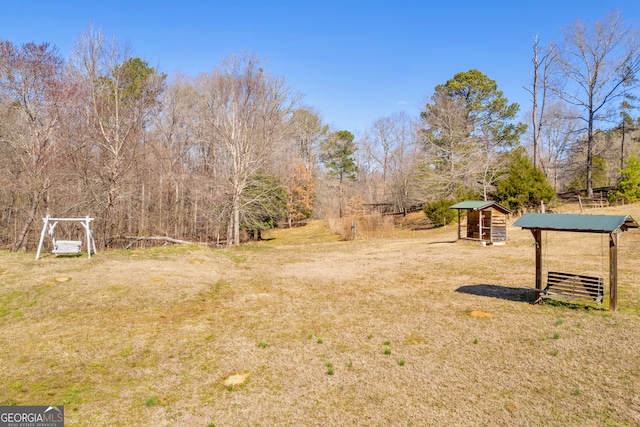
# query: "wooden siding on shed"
498 226
494 225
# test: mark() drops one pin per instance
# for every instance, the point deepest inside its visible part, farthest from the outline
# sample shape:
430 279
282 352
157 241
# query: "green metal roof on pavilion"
479 205
576 222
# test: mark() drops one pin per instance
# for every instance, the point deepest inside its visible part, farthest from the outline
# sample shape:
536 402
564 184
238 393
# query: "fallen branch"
164 239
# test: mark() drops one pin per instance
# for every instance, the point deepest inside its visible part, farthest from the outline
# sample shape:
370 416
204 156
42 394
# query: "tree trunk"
27 225
590 156
622 144
534 108
236 221
230 232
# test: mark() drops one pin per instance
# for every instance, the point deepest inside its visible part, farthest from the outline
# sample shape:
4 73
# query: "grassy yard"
410 329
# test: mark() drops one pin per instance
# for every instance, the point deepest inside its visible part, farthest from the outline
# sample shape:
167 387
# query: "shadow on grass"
501 292
524 295
52 255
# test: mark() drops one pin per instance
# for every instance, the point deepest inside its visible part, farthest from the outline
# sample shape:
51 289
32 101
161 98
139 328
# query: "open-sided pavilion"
613 225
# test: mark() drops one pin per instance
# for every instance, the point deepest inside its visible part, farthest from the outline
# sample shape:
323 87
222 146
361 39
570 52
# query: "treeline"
107 135
222 156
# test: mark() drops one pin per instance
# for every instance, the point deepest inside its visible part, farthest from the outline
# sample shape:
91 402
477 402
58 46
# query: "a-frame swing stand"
61 247
567 285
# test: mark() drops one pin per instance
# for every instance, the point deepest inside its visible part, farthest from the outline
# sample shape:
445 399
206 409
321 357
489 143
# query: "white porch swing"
65 247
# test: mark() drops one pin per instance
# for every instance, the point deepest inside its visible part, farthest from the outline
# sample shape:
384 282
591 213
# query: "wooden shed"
486 221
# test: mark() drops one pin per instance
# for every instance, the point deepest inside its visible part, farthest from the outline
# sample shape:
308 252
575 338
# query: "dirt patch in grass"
366 332
236 379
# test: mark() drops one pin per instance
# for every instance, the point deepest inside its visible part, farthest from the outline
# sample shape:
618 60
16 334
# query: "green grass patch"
151 402
12 301
313 232
232 255
256 247
74 396
219 285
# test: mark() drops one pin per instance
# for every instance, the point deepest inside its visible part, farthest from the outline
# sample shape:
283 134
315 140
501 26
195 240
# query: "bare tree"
447 139
371 157
173 140
406 166
594 63
307 131
122 92
392 151
243 111
540 84
556 137
29 88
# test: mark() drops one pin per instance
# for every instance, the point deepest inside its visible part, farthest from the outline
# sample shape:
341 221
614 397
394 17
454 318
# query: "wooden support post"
459 221
87 230
537 234
580 201
613 271
491 227
41 241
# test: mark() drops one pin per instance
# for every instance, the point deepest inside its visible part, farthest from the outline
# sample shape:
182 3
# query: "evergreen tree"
337 155
264 204
629 186
469 123
523 185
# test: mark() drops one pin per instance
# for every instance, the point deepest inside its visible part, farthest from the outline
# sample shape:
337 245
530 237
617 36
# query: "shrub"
523 185
440 213
629 186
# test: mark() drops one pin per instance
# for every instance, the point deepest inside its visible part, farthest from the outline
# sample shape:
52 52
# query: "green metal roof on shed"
576 222
479 205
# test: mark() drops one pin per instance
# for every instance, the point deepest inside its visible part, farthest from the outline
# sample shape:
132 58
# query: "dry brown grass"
150 337
366 226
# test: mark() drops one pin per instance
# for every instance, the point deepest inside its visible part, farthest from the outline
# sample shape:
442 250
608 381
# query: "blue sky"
354 61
